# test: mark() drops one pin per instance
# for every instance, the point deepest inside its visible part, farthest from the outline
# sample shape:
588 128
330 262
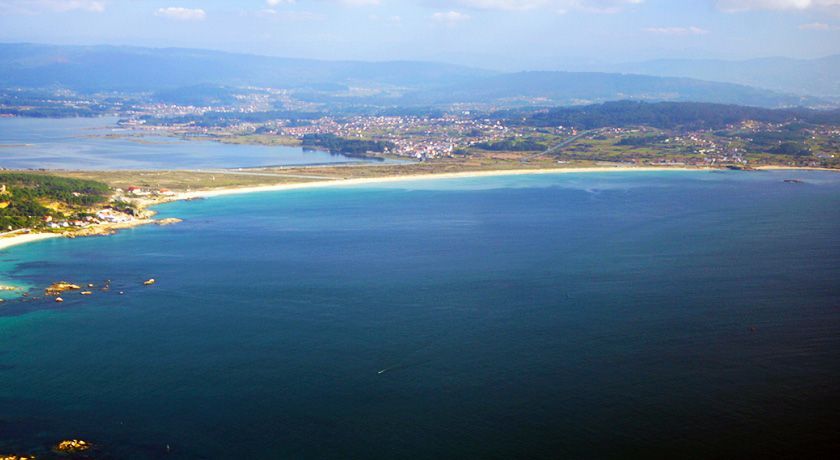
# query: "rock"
72 446
168 221
61 286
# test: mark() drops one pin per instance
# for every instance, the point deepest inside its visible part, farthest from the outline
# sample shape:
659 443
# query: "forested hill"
26 198
666 115
568 88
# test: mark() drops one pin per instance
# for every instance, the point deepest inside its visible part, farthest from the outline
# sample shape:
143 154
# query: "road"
559 146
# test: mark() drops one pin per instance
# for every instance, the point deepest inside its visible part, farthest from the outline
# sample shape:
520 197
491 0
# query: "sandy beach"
414 177
25 238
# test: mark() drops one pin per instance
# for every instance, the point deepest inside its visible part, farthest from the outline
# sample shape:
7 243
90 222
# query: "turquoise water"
675 314
82 143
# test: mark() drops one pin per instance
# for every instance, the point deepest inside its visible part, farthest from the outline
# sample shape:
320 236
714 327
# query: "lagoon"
99 144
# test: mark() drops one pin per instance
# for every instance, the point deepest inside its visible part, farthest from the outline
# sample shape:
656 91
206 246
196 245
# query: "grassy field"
258 139
194 180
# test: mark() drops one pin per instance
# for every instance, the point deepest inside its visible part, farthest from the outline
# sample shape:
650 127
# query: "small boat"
87 292
59 299
149 282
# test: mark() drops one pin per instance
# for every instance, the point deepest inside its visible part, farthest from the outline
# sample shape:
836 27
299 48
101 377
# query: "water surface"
98 143
610 315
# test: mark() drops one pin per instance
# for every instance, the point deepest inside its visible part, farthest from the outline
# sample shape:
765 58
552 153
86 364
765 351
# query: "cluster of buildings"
104 216
141 192
417 137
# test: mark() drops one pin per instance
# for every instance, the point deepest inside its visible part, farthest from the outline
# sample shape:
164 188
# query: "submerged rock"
168 221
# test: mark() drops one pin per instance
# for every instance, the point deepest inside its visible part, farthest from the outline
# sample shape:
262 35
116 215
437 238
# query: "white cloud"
182 14
50 6
450 18
359 2
503 4
560 6
290 16
733 6
691 30
818 26
273 3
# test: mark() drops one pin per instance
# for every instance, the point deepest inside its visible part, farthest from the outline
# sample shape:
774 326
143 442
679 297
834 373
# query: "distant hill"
209 77
666 115
575 88
105 68
815 77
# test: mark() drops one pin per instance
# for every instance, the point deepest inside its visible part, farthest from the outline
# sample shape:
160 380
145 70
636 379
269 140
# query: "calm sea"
98 143
608 315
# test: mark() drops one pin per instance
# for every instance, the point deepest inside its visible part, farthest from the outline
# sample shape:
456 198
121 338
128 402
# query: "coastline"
99 230
25 238
199 194
414 177
455 175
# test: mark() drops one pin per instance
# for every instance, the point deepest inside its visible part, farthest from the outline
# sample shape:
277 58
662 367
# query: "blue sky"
512 34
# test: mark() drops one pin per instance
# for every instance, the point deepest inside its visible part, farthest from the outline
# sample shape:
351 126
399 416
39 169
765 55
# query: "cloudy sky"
511 34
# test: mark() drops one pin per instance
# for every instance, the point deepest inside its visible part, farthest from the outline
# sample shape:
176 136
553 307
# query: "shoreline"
25 238
454 175
109 229
415 177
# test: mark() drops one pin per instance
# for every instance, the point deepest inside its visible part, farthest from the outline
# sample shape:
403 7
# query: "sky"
500 34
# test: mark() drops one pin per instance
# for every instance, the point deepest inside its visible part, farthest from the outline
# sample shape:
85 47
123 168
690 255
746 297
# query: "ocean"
601 315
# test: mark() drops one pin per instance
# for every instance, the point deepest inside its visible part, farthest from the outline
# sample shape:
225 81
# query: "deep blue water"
81 143
649 315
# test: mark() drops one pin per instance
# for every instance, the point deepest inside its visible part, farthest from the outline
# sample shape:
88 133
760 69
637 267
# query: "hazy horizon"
492 34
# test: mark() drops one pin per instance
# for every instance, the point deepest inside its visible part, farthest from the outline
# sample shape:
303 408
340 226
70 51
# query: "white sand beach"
414 177
24 238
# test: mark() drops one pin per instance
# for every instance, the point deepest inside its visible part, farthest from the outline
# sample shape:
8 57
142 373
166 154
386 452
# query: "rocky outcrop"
61 286
72 446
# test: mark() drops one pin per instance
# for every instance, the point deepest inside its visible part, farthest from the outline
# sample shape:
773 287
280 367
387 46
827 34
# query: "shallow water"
667 314
84 143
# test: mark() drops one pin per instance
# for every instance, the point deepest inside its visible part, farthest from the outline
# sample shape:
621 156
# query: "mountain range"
166 71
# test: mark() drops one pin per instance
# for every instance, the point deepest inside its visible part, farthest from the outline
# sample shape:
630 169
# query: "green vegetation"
350 147
668 115
27 198
513 145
